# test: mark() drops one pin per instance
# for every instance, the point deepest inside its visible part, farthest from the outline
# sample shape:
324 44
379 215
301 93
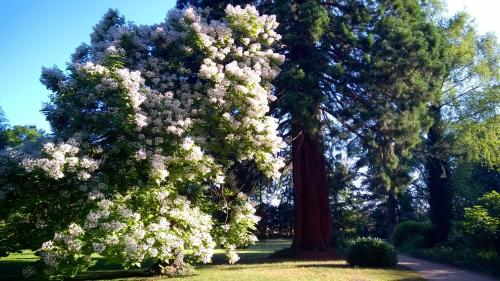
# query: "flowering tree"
148 126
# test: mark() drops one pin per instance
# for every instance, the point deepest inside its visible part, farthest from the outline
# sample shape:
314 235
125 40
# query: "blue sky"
38 33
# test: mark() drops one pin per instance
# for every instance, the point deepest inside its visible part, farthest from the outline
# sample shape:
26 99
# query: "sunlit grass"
253 266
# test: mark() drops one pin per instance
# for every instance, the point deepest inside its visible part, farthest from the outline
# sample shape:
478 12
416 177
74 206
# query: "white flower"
112 240
140 154
61 158
141 120
196 154
208 69
180 135
158 167
187 144
153 252
75 230
219 179
98 247
47 246
231 254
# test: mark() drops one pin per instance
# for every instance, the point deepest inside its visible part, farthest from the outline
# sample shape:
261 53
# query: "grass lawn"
253 266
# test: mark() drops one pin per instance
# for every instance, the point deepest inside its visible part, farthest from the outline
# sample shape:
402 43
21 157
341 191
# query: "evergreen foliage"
384 69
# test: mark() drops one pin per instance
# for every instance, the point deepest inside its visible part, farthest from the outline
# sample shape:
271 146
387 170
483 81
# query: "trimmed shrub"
411 235
371 252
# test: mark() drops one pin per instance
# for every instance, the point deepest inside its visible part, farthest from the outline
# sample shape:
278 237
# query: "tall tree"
385 67
437 175
463 113
300 96
148 124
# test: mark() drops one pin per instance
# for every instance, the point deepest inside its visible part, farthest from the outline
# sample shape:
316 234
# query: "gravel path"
434 271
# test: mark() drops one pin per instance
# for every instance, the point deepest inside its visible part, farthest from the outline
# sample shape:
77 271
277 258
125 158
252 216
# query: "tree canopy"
147 124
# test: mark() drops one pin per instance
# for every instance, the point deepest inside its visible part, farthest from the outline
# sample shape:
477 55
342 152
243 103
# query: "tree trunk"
392 214
438 172
440 210
312 224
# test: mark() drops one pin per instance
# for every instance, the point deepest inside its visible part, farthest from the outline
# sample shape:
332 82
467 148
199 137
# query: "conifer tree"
385 61
299 96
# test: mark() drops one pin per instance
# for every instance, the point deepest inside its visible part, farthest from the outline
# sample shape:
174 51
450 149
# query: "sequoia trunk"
312 227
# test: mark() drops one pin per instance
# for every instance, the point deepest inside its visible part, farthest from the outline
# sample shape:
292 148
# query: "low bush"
482 222
411 235
371 252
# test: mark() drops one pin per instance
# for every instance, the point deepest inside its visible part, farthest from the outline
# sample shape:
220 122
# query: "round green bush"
410 235
371 252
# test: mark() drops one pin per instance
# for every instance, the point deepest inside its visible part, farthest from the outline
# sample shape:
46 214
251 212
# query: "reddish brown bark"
312 224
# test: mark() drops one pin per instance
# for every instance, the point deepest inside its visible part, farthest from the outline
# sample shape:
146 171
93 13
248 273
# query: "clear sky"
485 12
38 33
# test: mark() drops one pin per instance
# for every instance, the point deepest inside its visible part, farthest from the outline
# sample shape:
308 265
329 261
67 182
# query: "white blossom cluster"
242 216
64 244
133 83
113 79
238 72
192 121
230 252
243 18
61 158
115 230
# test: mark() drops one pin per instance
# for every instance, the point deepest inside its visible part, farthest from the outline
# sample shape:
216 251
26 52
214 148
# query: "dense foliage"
371 252
385 64
482 222
473 241
163 136
464 114
148 125
412 234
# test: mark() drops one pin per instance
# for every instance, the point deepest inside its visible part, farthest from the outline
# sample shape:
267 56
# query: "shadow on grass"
256 256
252 257
11 270
350 266
411 279
112 274
248 258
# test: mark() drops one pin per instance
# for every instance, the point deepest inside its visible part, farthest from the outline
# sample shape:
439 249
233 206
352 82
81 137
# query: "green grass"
253 266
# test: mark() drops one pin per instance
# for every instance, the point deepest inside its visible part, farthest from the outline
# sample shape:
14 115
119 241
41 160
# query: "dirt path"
434 271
